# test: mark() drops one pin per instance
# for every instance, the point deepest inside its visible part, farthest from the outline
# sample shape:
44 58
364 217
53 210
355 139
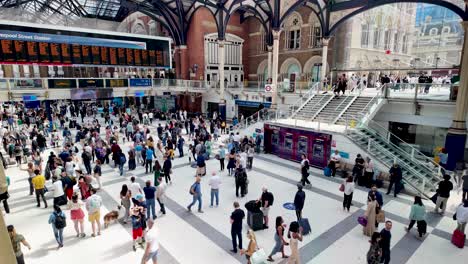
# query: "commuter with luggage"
236 227
254 215
241 181
461 216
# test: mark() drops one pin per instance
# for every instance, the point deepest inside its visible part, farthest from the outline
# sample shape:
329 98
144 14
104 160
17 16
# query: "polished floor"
205 238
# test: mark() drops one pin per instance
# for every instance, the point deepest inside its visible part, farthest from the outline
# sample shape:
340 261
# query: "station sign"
29 98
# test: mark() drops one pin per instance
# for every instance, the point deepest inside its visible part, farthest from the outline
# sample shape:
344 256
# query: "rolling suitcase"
255 220
458 238
304 223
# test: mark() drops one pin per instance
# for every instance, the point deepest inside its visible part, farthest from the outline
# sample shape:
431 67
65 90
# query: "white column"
27 74
270 48
221 68
323 71
459 119
274 70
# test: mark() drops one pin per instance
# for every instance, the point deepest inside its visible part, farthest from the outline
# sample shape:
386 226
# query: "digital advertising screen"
91 93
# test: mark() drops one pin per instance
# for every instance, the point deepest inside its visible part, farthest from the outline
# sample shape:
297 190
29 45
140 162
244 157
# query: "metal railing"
422 91
296 106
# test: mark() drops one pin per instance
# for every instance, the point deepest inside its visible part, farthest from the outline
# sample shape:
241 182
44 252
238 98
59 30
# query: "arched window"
396 41
293 32
263 41
387 37
446 30
364 35
404 40
376 38
315 35
433 31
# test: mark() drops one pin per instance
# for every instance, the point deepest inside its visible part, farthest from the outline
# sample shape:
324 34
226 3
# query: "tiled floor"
205 238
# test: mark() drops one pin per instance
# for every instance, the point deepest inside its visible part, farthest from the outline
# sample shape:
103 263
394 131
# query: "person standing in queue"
299 201
237 217
266 201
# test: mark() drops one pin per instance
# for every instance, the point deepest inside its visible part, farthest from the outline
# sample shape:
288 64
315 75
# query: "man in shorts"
93 205
152 244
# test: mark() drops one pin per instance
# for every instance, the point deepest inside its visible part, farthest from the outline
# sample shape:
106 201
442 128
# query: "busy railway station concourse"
233 131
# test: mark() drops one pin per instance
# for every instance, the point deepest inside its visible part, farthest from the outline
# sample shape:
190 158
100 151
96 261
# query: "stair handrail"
299 103
246 122
374 101
323 106
440 171
409 169
344 100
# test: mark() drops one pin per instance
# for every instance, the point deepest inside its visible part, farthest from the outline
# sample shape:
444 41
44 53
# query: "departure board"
55 53
95 55
122 56
86 54
113 56
20 51
144 58
138 57
76 51
159 58
44 52
66 56
32 51
104 55
130 57
7 50
152 57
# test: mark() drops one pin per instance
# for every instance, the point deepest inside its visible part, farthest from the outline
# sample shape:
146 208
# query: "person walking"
39 187
237 216
266 200
251 248
385 242
231 162
280 242
294 235
58 193
465 185
161 195
377 194
93 206
371 216
149 160
125 196
375 252
152 244
215 182
58 221
241 181
299 200
195 191
150 194
131 159
137 225
97 173
445 186
222 156
201 165
135 189
395 179
16 241
304 170
180 146
461 216
167 169
250 156
348 191
77 215
417 215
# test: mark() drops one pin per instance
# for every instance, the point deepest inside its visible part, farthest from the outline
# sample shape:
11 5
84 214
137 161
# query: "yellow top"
38 182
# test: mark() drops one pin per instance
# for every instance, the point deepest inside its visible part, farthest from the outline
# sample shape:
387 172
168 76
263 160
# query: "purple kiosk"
291 142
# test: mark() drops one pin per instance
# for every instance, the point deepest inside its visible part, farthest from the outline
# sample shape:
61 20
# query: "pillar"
270 49
177 62
323 72
274 68
184 65
6 249
222 101
455 141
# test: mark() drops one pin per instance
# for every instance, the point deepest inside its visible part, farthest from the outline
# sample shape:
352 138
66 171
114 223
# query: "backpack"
270 199
123 159
60 221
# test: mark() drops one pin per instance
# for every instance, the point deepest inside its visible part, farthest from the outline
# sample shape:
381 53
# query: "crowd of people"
130 139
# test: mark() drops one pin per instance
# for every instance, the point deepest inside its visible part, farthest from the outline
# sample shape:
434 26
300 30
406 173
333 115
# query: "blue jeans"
215 193
58 233
151 208
196 198
121 166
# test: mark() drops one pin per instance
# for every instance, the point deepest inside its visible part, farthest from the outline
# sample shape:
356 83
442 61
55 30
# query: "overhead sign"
252 103
268 88
140 82
139 93
29 98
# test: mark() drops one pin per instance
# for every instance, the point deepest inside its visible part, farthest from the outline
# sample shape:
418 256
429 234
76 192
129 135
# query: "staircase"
361 104
419 171
329 113
312 106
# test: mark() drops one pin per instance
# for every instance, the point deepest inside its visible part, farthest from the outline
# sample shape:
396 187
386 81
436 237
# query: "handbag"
380 217
362 220
342 187
258 257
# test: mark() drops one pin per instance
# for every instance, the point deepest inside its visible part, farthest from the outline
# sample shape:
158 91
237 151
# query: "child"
137 227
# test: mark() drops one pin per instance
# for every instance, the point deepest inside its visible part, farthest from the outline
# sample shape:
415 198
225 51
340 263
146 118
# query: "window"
404 48
365 36
263 42
288 141
445 30
396 42
433 31
387 36
376 38
315 35
293 33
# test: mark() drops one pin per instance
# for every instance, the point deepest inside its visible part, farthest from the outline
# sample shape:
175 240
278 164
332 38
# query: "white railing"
296 106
